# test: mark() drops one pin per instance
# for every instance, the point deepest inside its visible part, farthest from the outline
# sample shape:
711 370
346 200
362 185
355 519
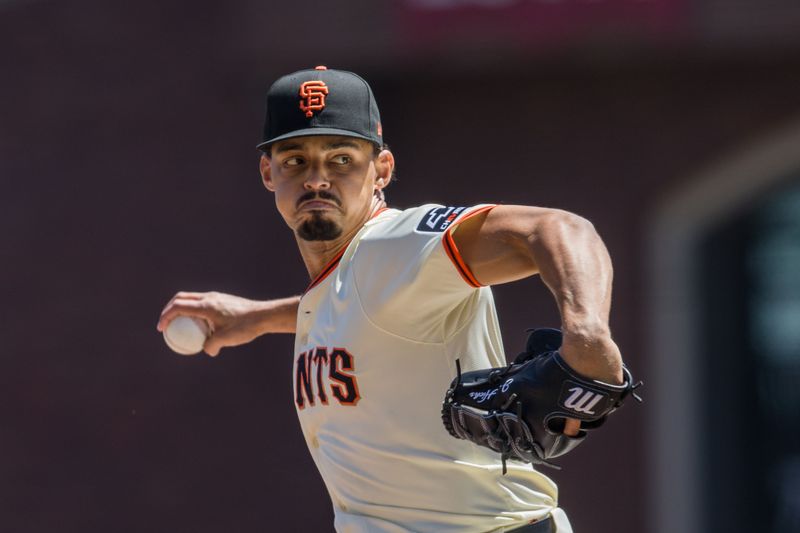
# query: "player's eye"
342 159
293 161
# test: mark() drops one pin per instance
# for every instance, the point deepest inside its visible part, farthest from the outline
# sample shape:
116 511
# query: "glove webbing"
500 439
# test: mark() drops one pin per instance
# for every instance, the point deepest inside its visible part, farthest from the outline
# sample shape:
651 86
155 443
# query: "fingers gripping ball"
186 335
519 410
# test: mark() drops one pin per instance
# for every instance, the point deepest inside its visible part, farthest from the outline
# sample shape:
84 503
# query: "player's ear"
265 168
384 166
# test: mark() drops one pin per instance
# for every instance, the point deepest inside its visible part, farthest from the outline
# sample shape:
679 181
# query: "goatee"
318 228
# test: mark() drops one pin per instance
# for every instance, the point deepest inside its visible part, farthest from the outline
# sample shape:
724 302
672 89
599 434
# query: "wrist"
590 351
586 327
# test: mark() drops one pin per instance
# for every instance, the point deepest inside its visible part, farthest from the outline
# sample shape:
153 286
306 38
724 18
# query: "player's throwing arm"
222 320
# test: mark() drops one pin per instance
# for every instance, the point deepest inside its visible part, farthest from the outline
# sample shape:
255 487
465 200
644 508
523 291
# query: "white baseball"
186 335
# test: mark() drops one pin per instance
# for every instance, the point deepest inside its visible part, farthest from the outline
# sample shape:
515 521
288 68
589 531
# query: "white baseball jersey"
378 333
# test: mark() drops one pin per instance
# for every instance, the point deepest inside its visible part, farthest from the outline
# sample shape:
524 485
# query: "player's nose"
316 181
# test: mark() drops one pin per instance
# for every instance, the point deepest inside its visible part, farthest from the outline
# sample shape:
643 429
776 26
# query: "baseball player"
399 316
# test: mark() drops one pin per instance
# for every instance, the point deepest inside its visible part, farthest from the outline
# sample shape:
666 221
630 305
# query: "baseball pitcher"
408 407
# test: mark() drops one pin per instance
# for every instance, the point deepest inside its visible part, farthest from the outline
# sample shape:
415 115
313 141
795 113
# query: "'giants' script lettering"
317 371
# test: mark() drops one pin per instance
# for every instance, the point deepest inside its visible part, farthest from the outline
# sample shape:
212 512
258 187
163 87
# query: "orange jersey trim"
333 263
455 256
330 267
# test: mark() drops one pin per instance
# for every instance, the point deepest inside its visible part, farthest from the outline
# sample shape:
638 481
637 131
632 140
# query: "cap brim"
314 131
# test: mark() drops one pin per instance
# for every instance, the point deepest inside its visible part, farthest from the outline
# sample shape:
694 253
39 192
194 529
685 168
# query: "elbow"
570 226
577 223
562 233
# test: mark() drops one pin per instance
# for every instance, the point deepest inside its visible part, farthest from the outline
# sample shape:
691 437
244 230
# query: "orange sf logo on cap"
313 97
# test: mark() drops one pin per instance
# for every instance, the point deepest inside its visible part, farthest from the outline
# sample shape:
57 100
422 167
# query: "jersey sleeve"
409 275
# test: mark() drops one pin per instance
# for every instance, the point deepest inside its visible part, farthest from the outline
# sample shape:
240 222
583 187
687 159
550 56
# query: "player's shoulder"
423 220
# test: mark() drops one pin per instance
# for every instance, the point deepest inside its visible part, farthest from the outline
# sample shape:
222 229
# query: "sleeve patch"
439 219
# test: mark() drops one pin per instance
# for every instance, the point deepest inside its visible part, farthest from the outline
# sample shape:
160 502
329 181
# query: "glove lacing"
501 439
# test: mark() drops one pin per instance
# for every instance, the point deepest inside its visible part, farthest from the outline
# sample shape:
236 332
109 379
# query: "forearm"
234 320
276 316
574 264
514 242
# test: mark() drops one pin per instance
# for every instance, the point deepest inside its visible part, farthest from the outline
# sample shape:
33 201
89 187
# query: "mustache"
321 195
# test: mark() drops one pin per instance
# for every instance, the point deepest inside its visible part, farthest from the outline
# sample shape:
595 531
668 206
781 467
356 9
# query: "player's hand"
515 410
592 356
233 320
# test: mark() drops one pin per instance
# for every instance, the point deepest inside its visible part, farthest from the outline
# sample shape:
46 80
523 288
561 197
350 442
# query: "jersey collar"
333 263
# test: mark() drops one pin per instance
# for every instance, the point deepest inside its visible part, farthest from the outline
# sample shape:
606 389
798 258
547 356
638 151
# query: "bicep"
497 245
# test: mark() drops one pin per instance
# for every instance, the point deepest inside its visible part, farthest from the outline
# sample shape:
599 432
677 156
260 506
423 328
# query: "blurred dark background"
128 168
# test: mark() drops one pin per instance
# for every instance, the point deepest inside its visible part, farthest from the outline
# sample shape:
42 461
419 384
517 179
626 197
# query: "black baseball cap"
321 101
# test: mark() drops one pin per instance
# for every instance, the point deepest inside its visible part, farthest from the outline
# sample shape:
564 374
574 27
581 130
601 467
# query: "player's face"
324 185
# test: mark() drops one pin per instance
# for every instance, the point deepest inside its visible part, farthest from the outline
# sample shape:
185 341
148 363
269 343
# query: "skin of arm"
509 243
234 320
504 244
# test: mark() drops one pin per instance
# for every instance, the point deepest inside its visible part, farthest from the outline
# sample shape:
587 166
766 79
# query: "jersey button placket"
305 317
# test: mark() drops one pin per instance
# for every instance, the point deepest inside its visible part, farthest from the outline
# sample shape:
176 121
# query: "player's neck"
318 254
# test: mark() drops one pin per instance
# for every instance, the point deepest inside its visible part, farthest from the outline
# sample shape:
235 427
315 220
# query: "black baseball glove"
519 411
